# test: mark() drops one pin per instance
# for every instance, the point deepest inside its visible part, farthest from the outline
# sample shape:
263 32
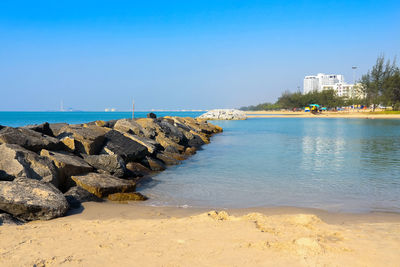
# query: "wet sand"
302 114
111 234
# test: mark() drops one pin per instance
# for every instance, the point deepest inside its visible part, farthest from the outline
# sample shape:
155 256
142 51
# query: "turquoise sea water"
14 119
346 165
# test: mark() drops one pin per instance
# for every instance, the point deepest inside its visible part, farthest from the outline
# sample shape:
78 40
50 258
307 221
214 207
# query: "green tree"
376 83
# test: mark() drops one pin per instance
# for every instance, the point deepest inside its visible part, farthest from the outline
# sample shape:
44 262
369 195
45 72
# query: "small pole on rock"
133 109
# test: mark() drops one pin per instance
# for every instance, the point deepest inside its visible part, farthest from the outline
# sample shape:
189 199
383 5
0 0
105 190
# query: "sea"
334 164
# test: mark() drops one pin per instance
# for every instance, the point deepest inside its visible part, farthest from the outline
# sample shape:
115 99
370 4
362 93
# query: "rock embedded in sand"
8 219
67 165
224 114
133 196
118 144
29 199
29 139
16 161
102 185
77 195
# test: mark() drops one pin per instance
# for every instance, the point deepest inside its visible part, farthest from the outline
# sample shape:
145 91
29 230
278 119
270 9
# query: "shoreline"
116 234
302 114
137 210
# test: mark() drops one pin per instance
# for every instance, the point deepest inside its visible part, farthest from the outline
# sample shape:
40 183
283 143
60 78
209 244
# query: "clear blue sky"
182 54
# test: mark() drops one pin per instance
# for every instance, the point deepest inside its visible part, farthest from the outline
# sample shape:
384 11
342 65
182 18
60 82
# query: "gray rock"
16 161
43 128
151 145
196 141
29 139
77 195
29 199
102 185
172 132
112 164
56 127
110 124
88 140
151 115
118 144
67 165
6 218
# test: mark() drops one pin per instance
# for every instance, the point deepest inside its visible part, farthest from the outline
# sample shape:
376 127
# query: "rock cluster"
47 169
224 114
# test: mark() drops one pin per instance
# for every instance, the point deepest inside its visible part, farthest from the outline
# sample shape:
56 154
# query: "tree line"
379 86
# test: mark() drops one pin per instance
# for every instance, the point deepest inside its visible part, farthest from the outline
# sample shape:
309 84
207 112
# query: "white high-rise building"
310 84
321 82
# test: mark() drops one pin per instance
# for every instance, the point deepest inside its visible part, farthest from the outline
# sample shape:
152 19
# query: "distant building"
321 82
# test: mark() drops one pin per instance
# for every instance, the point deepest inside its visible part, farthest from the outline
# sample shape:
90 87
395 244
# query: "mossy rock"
135 196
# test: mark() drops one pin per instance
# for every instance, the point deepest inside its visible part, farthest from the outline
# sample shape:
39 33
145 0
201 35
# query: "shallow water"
345 165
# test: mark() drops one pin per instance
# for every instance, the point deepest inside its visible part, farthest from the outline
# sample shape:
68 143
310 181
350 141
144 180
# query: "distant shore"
114 234
326 114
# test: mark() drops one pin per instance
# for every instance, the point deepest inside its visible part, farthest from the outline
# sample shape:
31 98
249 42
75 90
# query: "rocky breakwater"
49 168
224 114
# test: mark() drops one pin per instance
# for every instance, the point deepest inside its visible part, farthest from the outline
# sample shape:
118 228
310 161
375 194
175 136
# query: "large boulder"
102 185
29 199
56 128
151 145
29 139
149 126
16 161
166 142
199 126
43 128
118 144
224 114
128 126
77 195
171 131
67 165
88 140
112 164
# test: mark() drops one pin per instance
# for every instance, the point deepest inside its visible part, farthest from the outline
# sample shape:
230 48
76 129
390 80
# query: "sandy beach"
328 114
110 234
